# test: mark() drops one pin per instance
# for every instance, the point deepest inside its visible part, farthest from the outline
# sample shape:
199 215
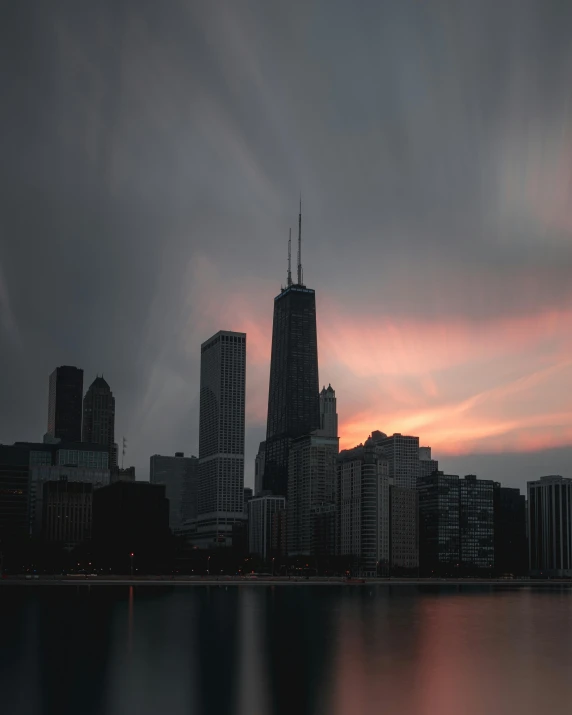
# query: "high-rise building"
259 469
439 547
279 544
64 403
99 417
247 497
14 485
426 464
511 546
476 526
260 513
550 526
363 509
403 531
402 454
221 438
179 475
293 397
311 484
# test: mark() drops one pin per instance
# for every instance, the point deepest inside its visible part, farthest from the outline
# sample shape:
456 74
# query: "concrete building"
363 513
311 484
426 464
402 454
65 403
221 438
259 469
179 474
550 526
99 418
260 513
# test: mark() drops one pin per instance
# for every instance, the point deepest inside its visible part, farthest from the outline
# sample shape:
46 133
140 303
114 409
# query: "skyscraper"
64 403
511 548
293 397
178 474
550 526
259 469
260 513
402 453
99 417
312 478
221 438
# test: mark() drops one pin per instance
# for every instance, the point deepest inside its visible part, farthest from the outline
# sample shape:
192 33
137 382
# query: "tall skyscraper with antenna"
293 398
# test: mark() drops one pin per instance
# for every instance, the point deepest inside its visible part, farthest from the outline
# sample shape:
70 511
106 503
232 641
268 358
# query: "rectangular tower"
178 474
550 526
221 438
65 403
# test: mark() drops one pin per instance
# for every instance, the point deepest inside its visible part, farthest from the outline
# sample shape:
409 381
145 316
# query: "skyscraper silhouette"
293 398
64 403
99 417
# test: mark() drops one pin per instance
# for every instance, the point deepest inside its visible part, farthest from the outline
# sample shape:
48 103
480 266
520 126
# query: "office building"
260 513
99 417
511 546
65 403
311 484
279 537
427 465
131 518
259 469
402 454
476 526
323 519
403 531
550 527
221 438
439 515
363 509
293 397
66 512
179 475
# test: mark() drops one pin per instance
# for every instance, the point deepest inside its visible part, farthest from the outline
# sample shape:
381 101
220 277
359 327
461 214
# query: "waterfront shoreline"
225 581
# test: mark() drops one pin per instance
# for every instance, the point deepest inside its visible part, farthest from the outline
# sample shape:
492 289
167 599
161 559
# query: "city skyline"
440 267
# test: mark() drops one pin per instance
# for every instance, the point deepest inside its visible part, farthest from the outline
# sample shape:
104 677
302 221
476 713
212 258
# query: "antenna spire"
300 243
289 281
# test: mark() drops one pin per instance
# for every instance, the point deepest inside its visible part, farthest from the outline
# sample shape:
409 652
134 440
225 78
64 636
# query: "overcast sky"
152 158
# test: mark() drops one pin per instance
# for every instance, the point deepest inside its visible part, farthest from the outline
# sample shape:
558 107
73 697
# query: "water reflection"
253 650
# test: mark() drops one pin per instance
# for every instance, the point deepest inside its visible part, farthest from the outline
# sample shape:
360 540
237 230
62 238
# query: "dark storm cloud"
152 157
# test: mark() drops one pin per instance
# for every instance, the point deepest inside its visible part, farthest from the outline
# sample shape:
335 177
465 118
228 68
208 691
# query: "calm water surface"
253 650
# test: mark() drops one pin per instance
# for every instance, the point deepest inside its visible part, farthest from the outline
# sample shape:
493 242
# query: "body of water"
255 650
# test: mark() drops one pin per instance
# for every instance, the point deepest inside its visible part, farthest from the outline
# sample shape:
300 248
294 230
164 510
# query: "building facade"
67 512
260 514
439 520
179 474
427 465
402 454
550 527
403 531
65 403
476 526
311 484
14 499
362 497
328 412
293 396
99 417
221 438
